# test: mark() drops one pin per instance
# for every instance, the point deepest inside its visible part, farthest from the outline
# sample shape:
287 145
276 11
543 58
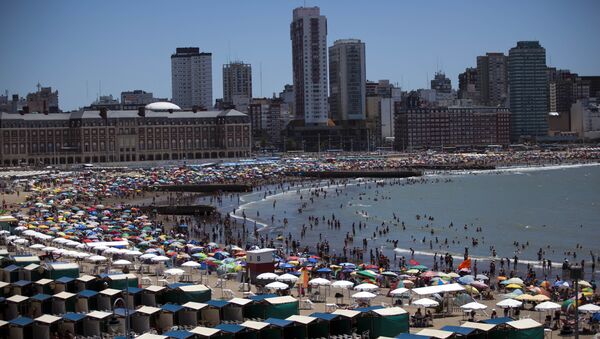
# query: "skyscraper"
492 79
528 90
347 80
440 83
237 81
308 32
191 78
468 86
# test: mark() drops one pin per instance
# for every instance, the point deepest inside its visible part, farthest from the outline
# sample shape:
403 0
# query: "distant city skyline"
76 47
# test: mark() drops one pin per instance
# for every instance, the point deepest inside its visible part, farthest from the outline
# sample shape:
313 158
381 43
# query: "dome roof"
162 106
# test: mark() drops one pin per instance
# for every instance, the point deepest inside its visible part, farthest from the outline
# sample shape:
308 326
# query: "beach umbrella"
367 273
471 290
289 278
517 281
191 264
482 277
389 274
473 306
466 280
525 297
96 258
584 283
479 285
509 303
399 291
277 285
174 271
363 295
366 287
122 262
267 276
513 286
547 306
453 275
324 270
342 284
589 308
319 282
540 297
134 253
36 246
426 302
412 271
147 256
160 258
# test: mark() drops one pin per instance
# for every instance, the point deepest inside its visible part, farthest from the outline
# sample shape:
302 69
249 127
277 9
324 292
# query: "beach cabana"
22 287
153 295
212 314
525 328
107 297
44 286
65 284
4 289
40 304
96 323
16 305
44 325
281 328
179 334
238 331
87 300
120 281
190 315
281 307
466 332
500 330
483 329
85 282
63 302
11 273
181 293
213 333
8 223
32 272
21 328
24 260
234 310
168 316
432 333
349 315
336 323
144 319
134 294
150 336
55 270
257 326
72 323
121 314
364 320
412 336
313 327
390 321
3 329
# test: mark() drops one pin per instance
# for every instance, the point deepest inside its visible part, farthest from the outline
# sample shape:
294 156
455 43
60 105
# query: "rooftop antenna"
87 92
228 51
260 71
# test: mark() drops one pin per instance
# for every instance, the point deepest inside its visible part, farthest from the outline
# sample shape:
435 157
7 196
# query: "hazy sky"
73 45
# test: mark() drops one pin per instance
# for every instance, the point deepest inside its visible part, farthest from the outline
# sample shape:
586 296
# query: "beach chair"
330 308
228 294
306 304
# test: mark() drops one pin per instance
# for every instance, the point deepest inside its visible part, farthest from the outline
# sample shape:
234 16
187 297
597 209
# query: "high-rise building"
528 90
136 98
347 80
585 118
308 32
191 78
237 81
43 101
492 79
468 87
441 83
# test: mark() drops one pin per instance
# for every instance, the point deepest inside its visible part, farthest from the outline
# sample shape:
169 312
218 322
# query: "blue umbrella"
324 270
467 279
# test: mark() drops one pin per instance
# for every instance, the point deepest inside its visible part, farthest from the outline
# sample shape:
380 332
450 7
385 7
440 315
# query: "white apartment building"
191 78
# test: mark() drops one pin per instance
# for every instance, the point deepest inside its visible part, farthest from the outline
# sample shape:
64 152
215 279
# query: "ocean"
555 209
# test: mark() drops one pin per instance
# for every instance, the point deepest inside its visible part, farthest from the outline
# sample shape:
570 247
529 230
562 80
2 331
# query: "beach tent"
64 284
86 301
21 328
3 329
238 331
121 314
73 323
525 328
501 329
85 282
40 304
32 272
213 333
390 321
44 286
257 326
364 320
120 281
412 336
144 319
16 305
234 309
63 302
181 293
4 289
467 332
281 307
96 323
22 287
351 316
312 327
107 297
55 270
151 336
11 273
440 334
168 316
44 325
190 315
336 323
153 295
211 315
134 296
281 328
483 330
24 260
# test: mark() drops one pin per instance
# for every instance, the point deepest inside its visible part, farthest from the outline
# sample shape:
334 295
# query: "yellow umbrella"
471 290
525 297
412 271
511 286
540 297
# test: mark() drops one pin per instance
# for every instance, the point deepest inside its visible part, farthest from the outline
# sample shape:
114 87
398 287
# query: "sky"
83 48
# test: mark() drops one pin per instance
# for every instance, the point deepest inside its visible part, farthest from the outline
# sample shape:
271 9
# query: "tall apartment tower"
468 86
528 90
237 81
347 80
492 79
191 78
308 32
441 83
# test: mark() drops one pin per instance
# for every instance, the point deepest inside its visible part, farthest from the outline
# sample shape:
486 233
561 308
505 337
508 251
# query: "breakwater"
205 188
